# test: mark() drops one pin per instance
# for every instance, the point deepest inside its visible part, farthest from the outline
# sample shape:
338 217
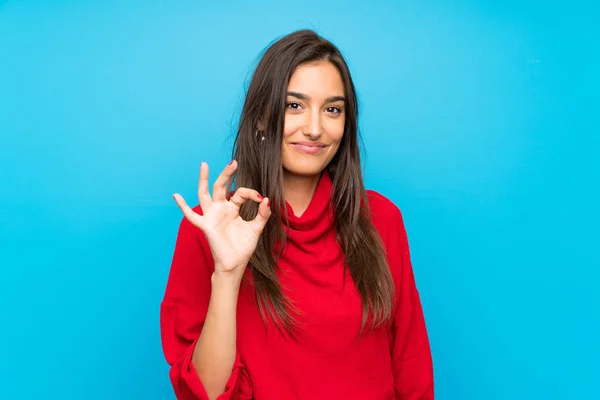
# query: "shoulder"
384 213
188 234
387 219
186 225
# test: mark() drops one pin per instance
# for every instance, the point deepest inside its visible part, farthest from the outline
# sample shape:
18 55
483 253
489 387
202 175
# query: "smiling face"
314 119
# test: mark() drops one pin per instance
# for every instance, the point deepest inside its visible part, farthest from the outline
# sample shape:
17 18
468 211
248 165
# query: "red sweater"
326 360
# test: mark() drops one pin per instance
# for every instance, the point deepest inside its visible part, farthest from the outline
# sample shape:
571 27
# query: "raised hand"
232 240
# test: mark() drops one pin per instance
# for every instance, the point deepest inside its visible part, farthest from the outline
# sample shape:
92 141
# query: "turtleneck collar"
318 217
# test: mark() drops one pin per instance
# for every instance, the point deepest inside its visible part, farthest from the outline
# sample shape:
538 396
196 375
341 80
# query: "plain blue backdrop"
481 121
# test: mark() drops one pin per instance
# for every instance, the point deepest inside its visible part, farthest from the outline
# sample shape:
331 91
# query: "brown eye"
334 110
293 106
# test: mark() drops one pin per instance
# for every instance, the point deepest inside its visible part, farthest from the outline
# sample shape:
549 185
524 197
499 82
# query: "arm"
198 326
411 354
198 313
215 351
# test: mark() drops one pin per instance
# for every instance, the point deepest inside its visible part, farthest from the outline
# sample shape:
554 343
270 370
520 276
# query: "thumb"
264 212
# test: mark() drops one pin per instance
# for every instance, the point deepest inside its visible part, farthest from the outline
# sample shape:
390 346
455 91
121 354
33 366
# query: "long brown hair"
260 168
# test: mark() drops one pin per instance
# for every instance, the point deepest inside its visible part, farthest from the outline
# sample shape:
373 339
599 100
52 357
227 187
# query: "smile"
309 147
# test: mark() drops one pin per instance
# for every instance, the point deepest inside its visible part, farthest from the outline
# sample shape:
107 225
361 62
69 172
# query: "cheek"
335 129
291 124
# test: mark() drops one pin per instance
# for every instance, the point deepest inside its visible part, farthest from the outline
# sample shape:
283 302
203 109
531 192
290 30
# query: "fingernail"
268 202
260 197
231 162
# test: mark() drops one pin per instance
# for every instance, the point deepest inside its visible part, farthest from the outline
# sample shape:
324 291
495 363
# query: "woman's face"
314 119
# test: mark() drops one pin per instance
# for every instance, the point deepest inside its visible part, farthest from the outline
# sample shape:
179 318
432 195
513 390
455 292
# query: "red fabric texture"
326 359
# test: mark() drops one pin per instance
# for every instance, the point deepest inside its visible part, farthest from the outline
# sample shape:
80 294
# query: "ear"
263 120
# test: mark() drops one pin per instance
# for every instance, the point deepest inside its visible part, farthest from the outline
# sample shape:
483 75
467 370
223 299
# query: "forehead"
321 79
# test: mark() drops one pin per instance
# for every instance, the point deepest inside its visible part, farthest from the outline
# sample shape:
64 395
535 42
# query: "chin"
304 170
302 165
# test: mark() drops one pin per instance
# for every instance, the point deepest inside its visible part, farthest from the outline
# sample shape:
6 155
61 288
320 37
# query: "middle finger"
220 185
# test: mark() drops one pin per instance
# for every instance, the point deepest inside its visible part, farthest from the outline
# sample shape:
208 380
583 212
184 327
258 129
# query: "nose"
313 127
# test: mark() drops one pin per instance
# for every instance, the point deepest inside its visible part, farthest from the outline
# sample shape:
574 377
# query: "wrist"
232 278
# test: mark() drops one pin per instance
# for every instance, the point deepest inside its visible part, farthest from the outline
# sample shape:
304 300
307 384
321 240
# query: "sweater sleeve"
182 314
411 354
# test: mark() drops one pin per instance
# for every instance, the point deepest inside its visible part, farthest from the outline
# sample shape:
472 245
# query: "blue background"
480 120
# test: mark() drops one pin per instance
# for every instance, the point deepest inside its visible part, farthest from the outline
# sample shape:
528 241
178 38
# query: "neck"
298 191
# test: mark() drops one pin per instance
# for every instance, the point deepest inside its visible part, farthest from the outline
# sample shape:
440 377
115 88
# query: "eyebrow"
303 96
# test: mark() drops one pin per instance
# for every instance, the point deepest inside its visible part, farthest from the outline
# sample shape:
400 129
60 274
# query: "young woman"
307 292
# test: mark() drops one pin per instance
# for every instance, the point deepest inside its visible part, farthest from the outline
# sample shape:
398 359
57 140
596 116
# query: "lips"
309 147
